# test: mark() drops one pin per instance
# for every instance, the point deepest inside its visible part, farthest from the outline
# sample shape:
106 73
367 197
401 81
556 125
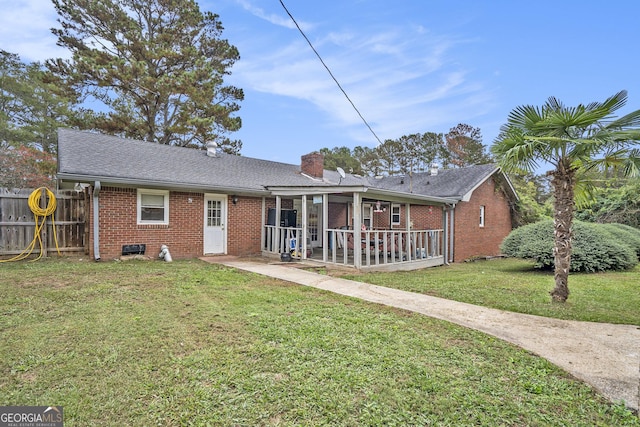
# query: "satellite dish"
341 172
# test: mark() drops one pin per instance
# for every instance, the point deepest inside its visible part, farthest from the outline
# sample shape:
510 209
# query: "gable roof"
87 157
454 183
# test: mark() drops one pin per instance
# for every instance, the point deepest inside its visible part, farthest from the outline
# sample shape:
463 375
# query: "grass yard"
514 285
189 343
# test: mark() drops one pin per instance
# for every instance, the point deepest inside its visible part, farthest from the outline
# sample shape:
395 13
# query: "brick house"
207 202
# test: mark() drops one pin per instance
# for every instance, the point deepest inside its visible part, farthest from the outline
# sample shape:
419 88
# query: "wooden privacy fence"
17 223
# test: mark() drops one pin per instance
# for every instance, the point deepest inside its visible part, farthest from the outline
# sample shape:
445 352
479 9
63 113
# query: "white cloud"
280 20
401 80
25 29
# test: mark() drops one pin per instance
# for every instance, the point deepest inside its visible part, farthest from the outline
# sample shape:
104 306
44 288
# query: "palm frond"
623 159
556 134
572 122
630 120
631 165
615 102
628 137
584 192
524 117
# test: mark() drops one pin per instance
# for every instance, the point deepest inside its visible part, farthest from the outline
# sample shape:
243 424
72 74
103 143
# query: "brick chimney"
312 164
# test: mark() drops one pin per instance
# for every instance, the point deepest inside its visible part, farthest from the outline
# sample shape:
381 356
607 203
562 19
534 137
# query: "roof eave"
410 197
316 189
467 196
371 192
176 186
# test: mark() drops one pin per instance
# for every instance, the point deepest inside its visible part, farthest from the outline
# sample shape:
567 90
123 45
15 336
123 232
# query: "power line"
328 70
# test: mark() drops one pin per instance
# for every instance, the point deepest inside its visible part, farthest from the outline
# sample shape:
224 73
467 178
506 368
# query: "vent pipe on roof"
212 149
434 169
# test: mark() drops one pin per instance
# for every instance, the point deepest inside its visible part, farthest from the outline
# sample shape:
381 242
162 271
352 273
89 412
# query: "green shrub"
532 241
594 247
627 234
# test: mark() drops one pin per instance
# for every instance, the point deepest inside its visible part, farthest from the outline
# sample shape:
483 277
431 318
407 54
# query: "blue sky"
408 65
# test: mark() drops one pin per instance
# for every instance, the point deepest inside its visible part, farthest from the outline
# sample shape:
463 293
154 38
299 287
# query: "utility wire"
330 73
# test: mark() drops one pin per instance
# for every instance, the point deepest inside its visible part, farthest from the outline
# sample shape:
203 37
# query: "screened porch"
347 229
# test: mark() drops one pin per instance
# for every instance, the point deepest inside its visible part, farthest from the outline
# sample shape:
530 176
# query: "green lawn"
189 343
514 285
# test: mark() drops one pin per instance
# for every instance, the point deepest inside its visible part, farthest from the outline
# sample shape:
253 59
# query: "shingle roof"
454 183
114 159
86 156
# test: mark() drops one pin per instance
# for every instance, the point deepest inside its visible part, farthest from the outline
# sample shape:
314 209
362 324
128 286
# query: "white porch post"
357 228
407 214
304 226
325 227
407 243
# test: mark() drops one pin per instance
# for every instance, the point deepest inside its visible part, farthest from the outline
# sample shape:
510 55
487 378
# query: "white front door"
215 220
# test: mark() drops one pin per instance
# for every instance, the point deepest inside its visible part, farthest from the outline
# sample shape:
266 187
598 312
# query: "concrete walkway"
606 356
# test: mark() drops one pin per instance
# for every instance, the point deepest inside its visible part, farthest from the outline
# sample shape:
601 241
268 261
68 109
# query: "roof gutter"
371 192
96 221
161 184
408 197
321 189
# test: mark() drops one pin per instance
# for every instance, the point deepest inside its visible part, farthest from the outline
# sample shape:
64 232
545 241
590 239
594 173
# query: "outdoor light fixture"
234 199
378 208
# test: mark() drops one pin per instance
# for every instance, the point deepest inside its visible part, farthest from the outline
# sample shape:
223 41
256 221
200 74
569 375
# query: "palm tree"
573 140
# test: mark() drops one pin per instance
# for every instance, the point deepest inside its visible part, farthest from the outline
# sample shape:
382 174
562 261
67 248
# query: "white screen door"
215 218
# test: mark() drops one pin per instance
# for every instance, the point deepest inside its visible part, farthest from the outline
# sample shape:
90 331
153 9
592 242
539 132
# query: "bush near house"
596 247
627 234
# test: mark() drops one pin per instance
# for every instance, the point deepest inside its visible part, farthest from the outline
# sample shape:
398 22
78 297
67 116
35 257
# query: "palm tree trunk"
563 183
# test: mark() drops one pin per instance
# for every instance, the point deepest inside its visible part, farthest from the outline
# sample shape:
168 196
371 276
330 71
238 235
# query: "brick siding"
471 240
312 164
184 233
244 226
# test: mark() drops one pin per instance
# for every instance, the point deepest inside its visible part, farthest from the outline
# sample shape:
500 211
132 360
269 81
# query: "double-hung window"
482 216
153 206
395 214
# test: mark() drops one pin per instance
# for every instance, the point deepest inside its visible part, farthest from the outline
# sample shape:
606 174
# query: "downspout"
263 229
96 221
452 234
445 239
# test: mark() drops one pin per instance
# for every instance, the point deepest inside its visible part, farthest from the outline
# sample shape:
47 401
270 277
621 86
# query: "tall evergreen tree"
368 159
341 157
465 148
30 109
155 68
412 153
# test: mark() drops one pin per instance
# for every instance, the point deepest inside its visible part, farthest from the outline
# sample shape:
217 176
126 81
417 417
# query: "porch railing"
380 247
376 247
280 240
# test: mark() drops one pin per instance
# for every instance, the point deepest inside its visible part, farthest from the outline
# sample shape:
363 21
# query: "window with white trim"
153 206
395 214
482 216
